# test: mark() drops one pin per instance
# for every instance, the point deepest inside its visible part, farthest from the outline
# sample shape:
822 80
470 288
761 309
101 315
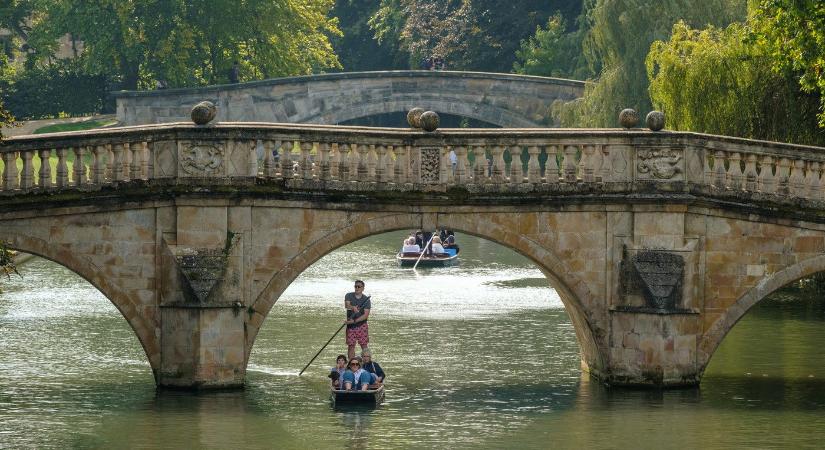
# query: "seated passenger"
436 246
450 241
337 372
410 246
356 377
372 367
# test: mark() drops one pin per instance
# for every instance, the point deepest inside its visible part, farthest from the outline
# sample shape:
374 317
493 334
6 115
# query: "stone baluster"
497 171
518 175
766 182
381 164
27 174
286 160
398 164
606 166
362 170
10 175
812 180
324 165
551 167
479 165
353 162
720 174
268 160
44 176
334 160
751 183
79 167
62 169
109 157
708 171
252 166
372 162
569 164
136 161
445 171
99 164
117 162
735 171
533 169
461 176
148 162
127 161
797 178
588 164
343 163
783 171
306 160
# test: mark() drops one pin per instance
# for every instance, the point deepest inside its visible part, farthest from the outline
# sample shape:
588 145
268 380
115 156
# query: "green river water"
481 355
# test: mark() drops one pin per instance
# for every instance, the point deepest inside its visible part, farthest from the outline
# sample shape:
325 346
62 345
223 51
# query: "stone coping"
354 76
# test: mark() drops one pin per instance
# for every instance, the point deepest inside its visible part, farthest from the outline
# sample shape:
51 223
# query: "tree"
553 52
7 266
720 81
618 39
190 43
358 48
794 32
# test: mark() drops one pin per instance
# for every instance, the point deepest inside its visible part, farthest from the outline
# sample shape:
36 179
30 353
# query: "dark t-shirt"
362 304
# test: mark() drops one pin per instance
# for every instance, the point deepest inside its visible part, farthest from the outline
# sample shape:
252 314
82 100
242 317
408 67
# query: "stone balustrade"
354 158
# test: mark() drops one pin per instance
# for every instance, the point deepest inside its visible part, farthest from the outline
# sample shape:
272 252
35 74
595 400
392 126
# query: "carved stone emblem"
430 165
202 269
662 164
657 275
202 160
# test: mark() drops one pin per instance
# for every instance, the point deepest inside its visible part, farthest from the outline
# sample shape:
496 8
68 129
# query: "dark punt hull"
407 260
372 397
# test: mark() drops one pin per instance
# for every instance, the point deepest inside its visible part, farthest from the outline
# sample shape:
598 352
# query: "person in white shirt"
436 246
410 246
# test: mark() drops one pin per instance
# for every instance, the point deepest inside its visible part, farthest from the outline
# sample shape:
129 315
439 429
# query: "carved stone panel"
659 164
430 165
655 275
201 159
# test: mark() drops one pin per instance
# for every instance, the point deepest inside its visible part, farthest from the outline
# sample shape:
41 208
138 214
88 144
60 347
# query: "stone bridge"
657 242
505 100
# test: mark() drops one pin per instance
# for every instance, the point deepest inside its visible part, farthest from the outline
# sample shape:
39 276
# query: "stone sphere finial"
430 121
629 118
204 112
414 117
655 120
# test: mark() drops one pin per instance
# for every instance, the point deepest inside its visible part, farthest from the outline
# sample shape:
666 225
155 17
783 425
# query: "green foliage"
553 52
720 81
54 89
7 266
75 126
794 33
194 43
618 39
359 49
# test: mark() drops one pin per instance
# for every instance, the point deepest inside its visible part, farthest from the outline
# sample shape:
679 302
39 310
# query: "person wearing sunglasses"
358 306
356 377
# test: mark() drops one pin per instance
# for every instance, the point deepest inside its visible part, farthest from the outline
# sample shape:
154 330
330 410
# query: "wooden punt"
436 260
371 397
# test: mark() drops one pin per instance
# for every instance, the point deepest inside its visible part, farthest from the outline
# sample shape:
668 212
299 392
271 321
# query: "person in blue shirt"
372 367
337 372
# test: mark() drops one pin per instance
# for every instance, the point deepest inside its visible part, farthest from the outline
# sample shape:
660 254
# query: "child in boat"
356 377
372 367
337 372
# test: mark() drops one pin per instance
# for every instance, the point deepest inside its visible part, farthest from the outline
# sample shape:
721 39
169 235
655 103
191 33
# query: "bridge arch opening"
398 119
772 333
493 312
61 327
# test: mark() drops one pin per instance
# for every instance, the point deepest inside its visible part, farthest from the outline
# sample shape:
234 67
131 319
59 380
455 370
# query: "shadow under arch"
457 106
719 330
572 291
141 326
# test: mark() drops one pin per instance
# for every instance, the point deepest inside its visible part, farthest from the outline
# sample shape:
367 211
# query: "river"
482 355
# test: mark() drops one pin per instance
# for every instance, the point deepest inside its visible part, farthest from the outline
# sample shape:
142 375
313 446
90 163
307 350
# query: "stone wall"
500 99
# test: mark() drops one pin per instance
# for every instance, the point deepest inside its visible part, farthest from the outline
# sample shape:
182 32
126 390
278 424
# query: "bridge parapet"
356 159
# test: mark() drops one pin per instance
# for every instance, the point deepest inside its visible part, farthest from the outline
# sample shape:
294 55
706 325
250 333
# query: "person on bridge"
358 307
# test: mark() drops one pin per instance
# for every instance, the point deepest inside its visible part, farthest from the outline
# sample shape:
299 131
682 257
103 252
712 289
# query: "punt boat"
371 397
408 259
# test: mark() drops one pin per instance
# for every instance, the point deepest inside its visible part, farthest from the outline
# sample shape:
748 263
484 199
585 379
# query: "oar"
322 348
423 250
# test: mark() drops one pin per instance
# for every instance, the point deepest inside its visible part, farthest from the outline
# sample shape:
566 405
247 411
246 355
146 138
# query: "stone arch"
142 326
461 107
719 330
574 292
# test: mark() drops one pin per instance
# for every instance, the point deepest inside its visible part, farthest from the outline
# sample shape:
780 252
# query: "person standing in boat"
358 312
